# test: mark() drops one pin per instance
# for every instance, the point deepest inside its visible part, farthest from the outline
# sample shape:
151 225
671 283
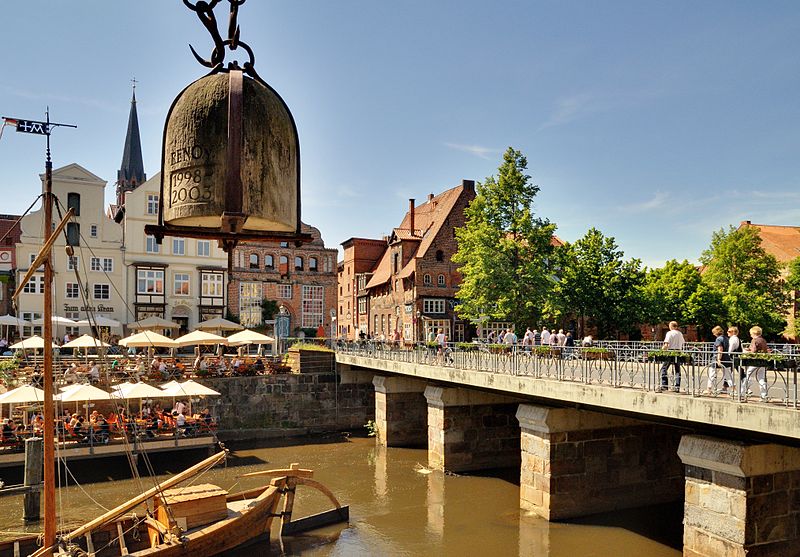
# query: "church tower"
131 172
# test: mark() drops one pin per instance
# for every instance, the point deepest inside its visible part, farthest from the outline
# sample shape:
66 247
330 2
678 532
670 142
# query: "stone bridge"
592 435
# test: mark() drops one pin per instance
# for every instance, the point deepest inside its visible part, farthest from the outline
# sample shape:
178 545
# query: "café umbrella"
138 390
219 324
146 339
22 395
99 321
187 389
32 343
153 322
196 338
82 393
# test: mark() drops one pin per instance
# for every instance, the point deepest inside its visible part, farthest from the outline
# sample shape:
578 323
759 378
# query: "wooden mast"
47 312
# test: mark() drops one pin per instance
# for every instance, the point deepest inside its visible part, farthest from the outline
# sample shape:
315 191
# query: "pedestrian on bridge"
757 344
673 340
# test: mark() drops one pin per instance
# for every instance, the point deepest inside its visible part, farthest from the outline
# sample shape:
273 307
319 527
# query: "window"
203 248
433 305
150 281
254 261
102 291
439 255
284 260
94 263
313 298
440 281
269 262
31 316
93 231
152 204
74 203
285 291
72 263
181 284
312 264
151 246
432 327
284 244
178 246
362 306
211 284
32 258
375 324
298 263
250 303
108 265
35 285
73 234
426 280
72 290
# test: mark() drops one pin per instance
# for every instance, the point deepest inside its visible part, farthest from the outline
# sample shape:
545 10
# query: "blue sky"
656 122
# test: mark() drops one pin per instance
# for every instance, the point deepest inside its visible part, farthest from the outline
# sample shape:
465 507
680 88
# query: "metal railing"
631 365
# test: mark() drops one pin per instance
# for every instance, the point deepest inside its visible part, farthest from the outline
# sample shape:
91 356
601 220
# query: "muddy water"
397 507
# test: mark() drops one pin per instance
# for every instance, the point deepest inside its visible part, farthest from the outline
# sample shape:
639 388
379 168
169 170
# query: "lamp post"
333 326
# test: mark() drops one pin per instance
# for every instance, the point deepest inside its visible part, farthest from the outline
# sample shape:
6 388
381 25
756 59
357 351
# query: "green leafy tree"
503 250
793 283
747 279
596 284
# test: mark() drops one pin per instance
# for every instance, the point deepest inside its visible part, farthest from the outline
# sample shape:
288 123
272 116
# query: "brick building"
9 236
407 281
301 279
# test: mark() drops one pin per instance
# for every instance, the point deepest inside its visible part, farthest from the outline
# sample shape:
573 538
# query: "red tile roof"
781 241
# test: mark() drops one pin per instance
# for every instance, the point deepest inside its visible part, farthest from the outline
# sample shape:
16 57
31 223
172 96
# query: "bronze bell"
231 159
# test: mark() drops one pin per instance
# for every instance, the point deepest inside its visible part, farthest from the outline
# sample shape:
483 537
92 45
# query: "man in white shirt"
673 340
562 338
545 337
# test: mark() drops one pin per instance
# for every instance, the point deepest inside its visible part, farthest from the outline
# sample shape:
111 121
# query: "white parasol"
249 337
33 343
147 339
200 337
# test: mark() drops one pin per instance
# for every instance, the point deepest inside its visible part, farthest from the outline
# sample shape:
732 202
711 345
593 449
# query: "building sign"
32 126
96 309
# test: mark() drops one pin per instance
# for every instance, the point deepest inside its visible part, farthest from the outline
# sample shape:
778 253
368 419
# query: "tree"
793 283
747 278
596 283
503 251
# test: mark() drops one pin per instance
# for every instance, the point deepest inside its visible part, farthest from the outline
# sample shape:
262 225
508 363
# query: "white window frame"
103 289
250 297
108 265
211 285
147 277
93 230
150 244
313 306
434 306
152 204
441 281
178 246
426 279
285 291
94 264
203 248
73 263
35 285
36 329
178 281
72 291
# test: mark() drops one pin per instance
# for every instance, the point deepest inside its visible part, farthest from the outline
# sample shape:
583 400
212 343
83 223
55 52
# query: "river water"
397 507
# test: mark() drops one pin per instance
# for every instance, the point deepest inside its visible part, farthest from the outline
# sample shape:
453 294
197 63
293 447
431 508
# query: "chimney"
468 185
411 215
745 223
430 197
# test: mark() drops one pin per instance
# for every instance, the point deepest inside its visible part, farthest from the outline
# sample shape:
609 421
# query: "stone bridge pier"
401 411
471 430
577 462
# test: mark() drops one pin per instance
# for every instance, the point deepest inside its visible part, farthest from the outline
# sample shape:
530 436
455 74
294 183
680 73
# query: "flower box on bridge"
669 356
769 361
598 354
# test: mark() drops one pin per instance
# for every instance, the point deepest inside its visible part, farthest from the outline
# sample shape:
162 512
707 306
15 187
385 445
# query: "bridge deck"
630 386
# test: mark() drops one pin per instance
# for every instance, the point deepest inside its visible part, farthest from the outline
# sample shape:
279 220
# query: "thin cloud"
568 109
86 101
658 201
477 150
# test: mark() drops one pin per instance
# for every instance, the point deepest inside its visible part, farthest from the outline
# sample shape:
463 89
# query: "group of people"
726 346
534 337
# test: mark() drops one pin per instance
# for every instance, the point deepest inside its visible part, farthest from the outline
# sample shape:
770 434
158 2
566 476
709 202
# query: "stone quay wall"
284 405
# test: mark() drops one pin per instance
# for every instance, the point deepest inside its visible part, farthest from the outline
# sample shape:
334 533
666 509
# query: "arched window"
440 280
284 260
439 255
269 262
426 279
298 263
254 261
312 263
74 202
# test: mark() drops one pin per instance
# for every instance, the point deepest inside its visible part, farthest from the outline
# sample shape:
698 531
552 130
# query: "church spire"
131 172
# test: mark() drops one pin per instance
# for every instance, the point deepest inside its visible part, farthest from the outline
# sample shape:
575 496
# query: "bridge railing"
695 371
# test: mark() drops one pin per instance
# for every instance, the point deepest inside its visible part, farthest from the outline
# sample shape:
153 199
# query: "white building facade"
183 279
93 278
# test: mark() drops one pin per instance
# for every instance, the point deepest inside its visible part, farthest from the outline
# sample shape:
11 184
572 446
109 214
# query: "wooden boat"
196 521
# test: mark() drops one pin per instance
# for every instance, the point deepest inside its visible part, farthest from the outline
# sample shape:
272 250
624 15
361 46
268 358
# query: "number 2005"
186 185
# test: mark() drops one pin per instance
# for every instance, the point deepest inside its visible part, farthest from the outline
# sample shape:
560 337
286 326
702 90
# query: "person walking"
757 345
673 340
721 360
734 347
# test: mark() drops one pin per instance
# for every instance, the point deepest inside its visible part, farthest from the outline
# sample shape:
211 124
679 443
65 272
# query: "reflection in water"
394 509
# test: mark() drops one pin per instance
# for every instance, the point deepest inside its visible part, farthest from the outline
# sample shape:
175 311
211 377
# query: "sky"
655 122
